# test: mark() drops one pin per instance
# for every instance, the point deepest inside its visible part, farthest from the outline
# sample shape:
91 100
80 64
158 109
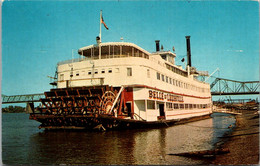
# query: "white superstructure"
158 89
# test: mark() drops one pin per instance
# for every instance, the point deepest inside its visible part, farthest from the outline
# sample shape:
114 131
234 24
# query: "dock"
227 111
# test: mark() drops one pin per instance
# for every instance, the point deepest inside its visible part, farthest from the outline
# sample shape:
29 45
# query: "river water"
24 143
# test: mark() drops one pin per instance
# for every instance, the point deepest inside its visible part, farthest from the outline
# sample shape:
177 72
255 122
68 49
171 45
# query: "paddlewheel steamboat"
120 85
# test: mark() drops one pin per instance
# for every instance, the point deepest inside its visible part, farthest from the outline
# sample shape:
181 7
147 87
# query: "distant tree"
13 109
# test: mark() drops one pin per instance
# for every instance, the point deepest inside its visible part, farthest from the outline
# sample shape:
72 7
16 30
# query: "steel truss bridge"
219 86
22 98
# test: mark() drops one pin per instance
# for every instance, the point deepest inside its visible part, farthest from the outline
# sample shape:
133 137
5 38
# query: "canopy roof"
113 44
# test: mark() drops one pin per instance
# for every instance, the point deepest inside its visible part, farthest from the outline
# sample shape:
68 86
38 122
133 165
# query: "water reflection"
141 146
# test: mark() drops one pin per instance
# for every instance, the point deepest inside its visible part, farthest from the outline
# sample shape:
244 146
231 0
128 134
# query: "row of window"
113 51
90 72
176 70
171 106
179 83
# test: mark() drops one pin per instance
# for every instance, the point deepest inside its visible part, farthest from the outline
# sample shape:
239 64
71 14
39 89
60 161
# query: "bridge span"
222 86
22 98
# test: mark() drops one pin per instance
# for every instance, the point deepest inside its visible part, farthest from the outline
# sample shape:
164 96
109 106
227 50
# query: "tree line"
13 109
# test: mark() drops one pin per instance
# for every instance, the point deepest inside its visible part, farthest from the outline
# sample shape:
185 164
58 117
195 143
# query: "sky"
36 35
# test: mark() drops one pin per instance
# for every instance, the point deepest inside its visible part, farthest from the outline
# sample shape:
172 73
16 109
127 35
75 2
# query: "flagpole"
100 24
100 34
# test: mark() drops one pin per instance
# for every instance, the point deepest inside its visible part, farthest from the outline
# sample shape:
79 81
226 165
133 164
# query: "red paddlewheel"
107 101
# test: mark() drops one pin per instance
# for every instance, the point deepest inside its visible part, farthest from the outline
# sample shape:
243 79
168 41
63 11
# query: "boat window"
89 72
96 71
77 73
158 76
190 106
166 79
176 106
61 77
150 104
117 70
103 71
162 77
186 106
126 50
181 106
140 104
109 70
169 106
129 71
136 53
116 50
170 81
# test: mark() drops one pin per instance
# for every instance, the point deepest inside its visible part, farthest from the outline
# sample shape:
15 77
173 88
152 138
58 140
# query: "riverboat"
120 85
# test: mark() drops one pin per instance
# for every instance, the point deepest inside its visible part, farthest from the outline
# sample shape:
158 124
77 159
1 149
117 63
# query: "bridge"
22 98
219 86
222 86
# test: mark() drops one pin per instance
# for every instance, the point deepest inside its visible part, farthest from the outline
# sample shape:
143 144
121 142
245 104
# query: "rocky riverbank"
243 142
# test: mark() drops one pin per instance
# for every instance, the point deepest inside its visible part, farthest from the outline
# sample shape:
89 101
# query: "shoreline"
242 141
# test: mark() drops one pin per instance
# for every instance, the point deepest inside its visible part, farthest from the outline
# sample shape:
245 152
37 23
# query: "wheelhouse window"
113 51
129 71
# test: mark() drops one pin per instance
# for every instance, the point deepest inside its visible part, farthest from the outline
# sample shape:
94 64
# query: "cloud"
235 50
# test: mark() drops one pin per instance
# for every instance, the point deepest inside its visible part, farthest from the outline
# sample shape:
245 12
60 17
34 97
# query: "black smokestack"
188 51
157 45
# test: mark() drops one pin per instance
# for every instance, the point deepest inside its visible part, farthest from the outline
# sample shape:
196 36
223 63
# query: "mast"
100 25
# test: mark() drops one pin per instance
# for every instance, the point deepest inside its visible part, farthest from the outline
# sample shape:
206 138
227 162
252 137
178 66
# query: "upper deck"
112 50
123 50
108 63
